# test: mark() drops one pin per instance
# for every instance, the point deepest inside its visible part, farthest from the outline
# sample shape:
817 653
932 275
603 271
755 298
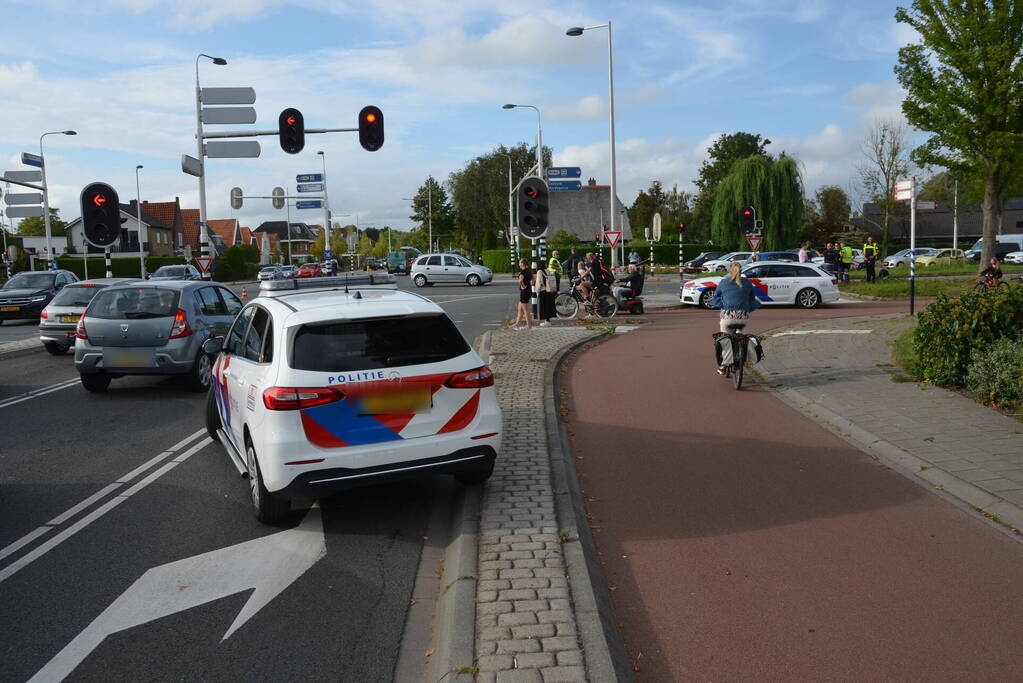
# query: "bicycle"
990 282
566 304
740 349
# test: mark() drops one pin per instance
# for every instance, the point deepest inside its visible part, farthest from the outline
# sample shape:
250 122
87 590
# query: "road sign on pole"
30 159
24 176
657 227
310 204
191 165
24 212
556 172
309 178
235 149
310 187
220 115
228 96
612 237
754 242
903 190
926 206
25 198
203 263
564 185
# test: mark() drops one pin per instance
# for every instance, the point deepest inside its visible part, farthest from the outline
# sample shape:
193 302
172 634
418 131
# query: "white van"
1015 240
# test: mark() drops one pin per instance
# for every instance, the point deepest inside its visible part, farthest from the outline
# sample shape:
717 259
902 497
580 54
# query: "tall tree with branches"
774 187
886 154
964 83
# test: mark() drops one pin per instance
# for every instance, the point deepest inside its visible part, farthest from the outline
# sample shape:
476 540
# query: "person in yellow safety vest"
554 268
846 253
869 258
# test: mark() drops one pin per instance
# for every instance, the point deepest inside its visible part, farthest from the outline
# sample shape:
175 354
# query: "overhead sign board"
26 198
754 242
309 178
310 187
30 159
613 237
235 149
228 115
228 96
564 185
24 176
310 204
24 212
564 172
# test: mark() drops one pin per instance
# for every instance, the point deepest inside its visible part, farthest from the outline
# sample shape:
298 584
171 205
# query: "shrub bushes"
996 373
949 330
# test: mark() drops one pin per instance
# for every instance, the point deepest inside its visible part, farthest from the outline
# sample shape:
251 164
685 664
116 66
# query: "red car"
310 270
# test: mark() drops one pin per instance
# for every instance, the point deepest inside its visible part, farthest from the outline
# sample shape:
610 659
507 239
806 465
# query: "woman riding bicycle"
736 298
991 275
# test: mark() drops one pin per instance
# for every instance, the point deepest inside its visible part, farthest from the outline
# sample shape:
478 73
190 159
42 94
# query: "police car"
774 282
327 383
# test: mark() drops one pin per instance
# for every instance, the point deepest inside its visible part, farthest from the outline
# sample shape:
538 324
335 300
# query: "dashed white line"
28 558
36 393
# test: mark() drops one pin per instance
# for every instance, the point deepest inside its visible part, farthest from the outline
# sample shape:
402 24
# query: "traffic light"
533 207
747 219
681 227
371 128
291 127
101 215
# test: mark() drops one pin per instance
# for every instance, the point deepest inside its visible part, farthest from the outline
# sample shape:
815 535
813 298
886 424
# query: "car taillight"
293 398
180 327
80 332
834 281
473 379
43 314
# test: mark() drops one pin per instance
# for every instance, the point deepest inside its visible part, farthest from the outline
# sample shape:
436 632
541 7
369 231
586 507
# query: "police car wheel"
705 296
267 509
808 298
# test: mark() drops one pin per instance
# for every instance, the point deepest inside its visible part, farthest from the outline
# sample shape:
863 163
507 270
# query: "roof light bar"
332 282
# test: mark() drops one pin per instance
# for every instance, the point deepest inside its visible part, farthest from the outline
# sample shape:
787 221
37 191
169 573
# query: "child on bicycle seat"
736 298
993 271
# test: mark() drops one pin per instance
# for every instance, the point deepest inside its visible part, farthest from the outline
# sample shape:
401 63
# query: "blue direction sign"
310 187
309 178
30 159
564 185
328 255
309 204
564 172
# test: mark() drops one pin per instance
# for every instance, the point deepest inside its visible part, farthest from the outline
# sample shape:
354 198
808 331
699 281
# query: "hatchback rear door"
132 316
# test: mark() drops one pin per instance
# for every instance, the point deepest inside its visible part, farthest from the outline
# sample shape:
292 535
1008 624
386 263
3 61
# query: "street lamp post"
52 262
539 170
578 31
138 219
204 237
512 236
326 214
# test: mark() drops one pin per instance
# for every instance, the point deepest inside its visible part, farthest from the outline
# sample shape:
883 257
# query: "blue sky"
811 76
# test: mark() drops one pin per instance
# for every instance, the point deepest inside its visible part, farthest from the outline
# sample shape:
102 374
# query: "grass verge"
900 287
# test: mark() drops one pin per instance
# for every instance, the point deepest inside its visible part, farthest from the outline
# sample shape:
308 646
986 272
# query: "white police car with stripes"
323 384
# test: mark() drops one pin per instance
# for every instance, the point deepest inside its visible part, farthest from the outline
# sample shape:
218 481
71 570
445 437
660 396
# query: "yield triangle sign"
754 243
203 262
612 237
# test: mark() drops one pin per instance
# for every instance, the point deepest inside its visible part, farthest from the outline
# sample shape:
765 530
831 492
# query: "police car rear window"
380 343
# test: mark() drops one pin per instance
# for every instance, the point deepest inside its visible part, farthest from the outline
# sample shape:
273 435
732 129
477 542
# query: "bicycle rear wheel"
606 306
740 363
566 306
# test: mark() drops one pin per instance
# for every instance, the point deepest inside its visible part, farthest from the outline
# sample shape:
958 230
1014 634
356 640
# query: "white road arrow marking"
268 564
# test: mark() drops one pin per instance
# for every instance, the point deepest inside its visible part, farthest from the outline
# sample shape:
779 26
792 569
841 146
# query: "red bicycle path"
742 540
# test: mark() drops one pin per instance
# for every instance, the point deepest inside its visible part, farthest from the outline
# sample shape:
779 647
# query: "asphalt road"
124 535
742 541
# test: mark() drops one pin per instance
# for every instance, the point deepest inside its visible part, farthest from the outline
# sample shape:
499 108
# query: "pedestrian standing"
846 254
634 256
572 262
869 258
804 255
525 291
831 258
554 268
544 285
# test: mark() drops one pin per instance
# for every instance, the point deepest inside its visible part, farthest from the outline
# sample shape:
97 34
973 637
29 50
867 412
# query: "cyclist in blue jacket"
736 298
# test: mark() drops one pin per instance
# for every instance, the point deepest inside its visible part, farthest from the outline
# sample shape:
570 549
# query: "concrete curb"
961 493
603 648
14 353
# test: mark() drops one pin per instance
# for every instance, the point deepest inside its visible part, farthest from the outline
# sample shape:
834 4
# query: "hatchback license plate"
70 318
10 308
392 402
127 358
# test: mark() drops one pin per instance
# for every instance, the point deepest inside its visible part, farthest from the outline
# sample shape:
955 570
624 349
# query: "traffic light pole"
204 238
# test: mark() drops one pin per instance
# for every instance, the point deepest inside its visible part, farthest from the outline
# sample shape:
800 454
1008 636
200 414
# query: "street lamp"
46 197
539 134
511 217
578 31
138 218
204 236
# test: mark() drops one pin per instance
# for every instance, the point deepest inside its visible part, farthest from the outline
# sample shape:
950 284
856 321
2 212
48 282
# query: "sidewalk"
20 347
843 381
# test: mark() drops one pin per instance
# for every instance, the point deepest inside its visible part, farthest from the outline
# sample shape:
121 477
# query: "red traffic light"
291 120
99 200
747 212
371 118
531 192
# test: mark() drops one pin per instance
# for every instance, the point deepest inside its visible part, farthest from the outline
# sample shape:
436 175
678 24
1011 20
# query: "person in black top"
624 286
831 258
571 264
992 272
525 292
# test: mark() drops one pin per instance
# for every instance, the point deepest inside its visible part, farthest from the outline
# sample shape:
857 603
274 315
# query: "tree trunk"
884 232
993 210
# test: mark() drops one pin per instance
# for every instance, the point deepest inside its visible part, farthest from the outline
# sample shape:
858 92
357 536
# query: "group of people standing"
838 258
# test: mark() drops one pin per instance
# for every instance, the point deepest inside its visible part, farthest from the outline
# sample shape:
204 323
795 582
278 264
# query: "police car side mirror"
213 346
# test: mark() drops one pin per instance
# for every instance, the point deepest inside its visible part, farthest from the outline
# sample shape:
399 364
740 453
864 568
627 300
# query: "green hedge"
950 329
120 266
664 254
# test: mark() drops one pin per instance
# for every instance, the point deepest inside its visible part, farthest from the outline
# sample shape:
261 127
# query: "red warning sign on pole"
754 242
204 263
613 237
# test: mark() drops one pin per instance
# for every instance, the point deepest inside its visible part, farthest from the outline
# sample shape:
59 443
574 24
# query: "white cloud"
877 101
586 109
16 76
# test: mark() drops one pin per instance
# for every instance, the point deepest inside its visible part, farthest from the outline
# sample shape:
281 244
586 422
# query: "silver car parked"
430 269
58 321
152 329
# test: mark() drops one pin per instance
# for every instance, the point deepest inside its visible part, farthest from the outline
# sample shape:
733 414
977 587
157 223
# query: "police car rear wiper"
409 357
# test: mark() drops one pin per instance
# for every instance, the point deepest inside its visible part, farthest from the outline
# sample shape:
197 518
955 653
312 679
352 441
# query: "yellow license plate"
391 402
70 318
10 308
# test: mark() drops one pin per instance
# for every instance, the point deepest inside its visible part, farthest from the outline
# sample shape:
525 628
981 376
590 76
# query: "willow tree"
774 187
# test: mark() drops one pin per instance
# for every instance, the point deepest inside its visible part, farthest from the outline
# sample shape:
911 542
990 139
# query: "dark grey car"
152 328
